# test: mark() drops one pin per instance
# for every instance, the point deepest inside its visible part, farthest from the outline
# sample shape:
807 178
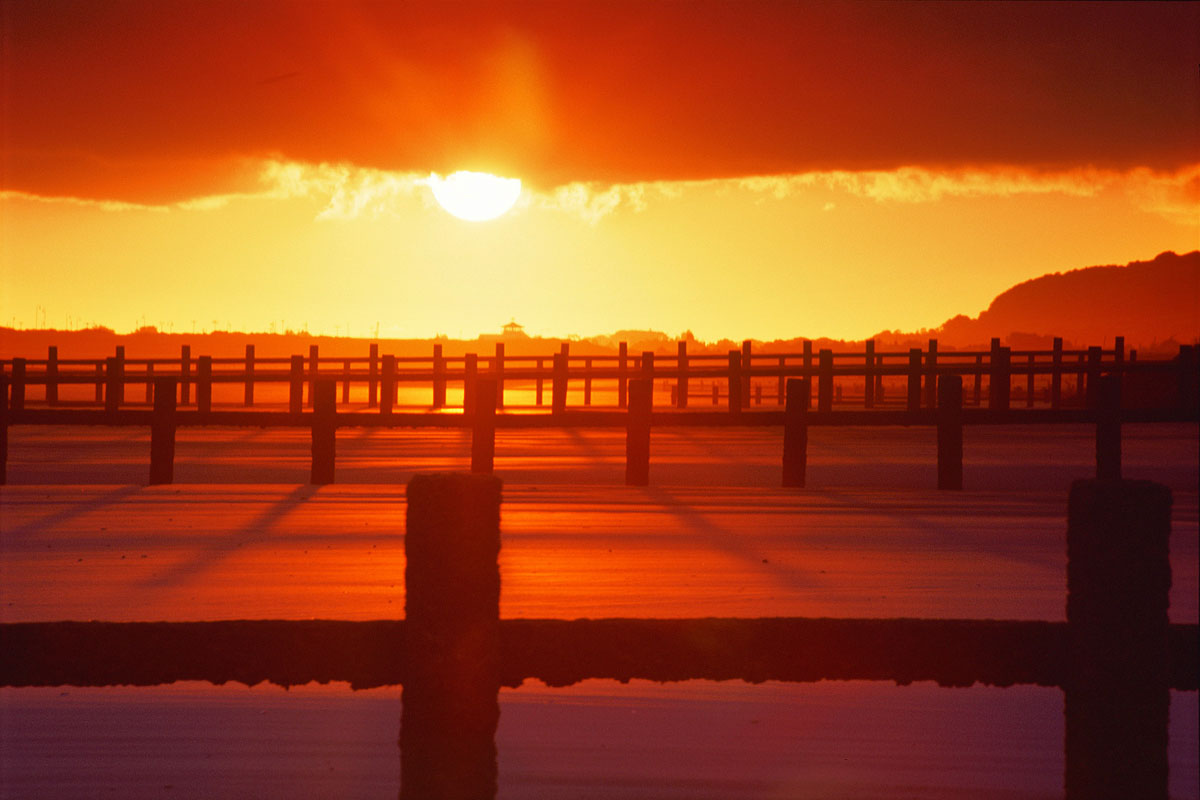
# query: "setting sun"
475 196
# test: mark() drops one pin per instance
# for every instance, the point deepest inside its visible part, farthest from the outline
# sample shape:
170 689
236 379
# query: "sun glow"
475 196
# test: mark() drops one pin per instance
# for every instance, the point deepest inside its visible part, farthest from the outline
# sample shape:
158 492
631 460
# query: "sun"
475 196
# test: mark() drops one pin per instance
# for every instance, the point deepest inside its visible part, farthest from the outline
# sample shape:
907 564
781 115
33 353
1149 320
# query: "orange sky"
739 169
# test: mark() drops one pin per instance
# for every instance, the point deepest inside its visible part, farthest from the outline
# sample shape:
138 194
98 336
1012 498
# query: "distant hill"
1144 301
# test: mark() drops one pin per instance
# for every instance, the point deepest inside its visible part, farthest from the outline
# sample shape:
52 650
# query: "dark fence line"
1116 657
739 379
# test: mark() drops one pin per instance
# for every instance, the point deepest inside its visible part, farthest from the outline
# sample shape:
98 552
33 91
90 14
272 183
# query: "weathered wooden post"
681 363
1081 380
204 384
18 384
746 373
373 376
347 366
149 381
795 432
162 433
869 375
1108 427
483 427
248 390
538 383
977 392
558 384
587 381
734 387
387 385
452 638
1056 373
313 366
622 380
4 415
931 359
637 432
296 386
648 364
324 432
825 381
112 379
781 386
1119 350
1118 584
1029 380
439 378
1189 379
498 374
100 381
914 379
120 356
470 379
1001 378
1095 357
807 352
950 432
185 372
52 375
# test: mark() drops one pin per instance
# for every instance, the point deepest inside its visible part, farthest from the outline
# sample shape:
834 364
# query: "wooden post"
149 381
99 381
950 432
1056 373
1029 381
931 359
470 379
18 384
313 366
387 385
452 638
1094 358
324 432
781 387
248 391
498 374
648 365
587 381
162 433
1081 380
120 386
483 427
978 393
745 373
622 380
914 379
716 393
681 362
734 390
869 375
4 415
558 384
806 349
795 432
1188 382
346 370
52 375
185 371
825 381
1001 384
439 378
538 390
1116 688
1108 427
1119 350
204 386
296 386
373 376
637 432
112 379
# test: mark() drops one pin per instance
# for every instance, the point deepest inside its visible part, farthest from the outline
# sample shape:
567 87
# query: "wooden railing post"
587 381
914 379
387 385
950 432
734 388
4 415
1119 350
681 362
931 360
1189 380
1081 380
18 384
296 386
149 381
1030 385
1116 688
648 366
869 375
204 385
622 380
498 374
313 367
470 380
324 432
52 375
373 376
346 372
439 377
538 383
112 380
781 387
452 638
483 427
637 432
248 391
185 372
558 384
162 433
1056 373
1001 377
120 356
1108 427
1095 357
825 381
795 432
746 361
977 392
